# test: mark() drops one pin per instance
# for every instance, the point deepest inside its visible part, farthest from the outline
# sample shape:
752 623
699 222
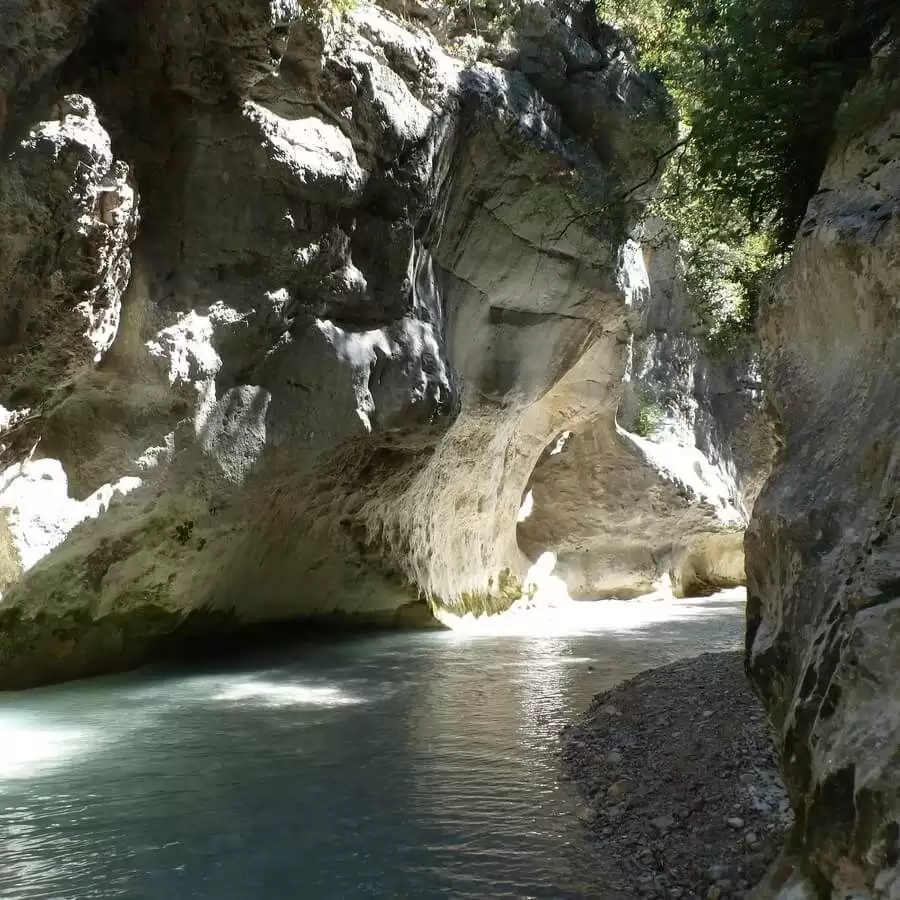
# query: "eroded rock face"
823 548
69 216
658 491
358 311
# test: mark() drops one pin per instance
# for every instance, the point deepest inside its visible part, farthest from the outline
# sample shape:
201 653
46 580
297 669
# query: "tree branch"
657 163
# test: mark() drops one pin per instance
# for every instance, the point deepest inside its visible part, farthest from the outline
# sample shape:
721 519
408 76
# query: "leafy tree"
758 84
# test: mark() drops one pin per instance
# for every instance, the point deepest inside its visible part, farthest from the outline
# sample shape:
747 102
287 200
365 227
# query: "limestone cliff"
661 492
294 299
823 547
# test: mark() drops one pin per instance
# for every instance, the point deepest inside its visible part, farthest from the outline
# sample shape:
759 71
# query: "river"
389 765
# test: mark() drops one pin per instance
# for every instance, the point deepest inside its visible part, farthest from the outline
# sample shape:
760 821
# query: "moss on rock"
487 602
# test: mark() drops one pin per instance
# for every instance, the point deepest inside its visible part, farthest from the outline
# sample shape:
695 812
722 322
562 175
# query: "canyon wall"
294 299
823 548
660 494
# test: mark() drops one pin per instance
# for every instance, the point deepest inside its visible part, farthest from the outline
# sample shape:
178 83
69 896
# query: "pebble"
618 789
696 804
585 813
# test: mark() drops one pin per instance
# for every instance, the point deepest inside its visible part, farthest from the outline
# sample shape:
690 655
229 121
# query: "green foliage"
481 19
647 416
758 84
725 280
316 12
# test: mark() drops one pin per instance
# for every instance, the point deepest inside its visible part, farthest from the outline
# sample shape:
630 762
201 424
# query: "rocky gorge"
297 304
822 546
351 312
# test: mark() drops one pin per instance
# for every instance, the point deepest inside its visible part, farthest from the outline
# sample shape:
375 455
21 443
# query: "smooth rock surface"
660 491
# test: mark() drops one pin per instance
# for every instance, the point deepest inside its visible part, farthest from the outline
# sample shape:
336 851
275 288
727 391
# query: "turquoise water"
382 765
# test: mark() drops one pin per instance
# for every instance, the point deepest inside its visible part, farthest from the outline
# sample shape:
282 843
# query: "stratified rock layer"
823 549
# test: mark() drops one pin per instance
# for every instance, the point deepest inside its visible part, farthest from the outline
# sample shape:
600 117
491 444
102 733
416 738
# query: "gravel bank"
679 781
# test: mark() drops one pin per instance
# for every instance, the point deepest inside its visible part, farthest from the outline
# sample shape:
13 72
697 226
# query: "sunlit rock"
362 308
660 487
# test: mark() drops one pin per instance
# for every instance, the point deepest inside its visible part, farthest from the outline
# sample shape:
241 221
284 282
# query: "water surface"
383 765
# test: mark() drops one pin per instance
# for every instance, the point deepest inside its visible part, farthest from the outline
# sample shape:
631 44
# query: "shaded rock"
69 212
356 319
823 548
36 37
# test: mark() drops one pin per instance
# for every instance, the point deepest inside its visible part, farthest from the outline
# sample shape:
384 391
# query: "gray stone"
618 789
341 299
67 204
823 548
656 493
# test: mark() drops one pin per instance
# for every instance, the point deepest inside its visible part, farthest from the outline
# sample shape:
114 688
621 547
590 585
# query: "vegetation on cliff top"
763 89
758 84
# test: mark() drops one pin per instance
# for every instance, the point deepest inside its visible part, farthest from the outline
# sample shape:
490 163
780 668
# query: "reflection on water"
272 694
390 765
26 748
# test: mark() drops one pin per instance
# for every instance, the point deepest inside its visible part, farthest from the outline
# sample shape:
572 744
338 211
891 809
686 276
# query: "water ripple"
386 766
